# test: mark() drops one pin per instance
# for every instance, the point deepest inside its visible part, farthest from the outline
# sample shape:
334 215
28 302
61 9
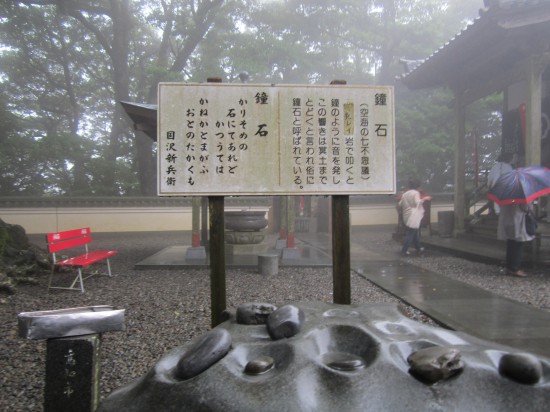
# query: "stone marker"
72 370
73 364
268 264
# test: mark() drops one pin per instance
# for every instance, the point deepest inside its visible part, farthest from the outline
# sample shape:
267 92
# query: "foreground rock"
20 261
342 358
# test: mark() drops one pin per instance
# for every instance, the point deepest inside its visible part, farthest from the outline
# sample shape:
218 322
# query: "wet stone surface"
338 363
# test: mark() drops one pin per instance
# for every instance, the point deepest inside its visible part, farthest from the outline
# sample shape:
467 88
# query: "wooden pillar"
217 252
533 131
217 258
341 244
341 258
460 164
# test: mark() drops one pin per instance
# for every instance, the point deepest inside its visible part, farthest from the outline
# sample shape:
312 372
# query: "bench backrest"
70 238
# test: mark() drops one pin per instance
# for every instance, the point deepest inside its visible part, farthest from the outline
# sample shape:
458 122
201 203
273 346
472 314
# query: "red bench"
71 239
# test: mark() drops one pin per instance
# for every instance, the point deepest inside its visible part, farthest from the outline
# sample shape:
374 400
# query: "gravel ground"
167 308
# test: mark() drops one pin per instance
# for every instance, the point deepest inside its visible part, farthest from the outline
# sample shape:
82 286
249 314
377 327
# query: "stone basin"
245 220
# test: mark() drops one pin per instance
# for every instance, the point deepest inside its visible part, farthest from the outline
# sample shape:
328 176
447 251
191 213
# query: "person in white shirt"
412 209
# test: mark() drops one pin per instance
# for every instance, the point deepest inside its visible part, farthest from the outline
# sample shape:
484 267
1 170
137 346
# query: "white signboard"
250 139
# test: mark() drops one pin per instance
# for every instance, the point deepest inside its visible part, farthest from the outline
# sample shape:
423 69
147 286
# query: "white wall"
144 219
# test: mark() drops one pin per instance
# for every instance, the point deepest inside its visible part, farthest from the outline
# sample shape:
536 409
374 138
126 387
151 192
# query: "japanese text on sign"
261 139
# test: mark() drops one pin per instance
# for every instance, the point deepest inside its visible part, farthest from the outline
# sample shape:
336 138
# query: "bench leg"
109 268
51 276
79 280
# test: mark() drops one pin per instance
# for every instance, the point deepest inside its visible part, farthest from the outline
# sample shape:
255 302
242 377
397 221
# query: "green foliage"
424 134
65 65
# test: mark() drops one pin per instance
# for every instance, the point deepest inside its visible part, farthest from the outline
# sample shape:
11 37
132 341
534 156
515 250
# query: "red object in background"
195 239
290 243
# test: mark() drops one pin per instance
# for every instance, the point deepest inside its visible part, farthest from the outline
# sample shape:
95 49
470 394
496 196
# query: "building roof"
506 33
144 117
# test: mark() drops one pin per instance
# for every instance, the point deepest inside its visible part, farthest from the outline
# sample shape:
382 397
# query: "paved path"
463 307
454 304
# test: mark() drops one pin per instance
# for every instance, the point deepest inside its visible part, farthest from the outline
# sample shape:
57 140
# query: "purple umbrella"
522 185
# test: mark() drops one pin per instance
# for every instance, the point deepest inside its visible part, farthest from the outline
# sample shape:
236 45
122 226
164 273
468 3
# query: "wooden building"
505 50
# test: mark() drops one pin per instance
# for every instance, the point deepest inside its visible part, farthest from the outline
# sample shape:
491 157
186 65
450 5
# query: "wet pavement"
453 304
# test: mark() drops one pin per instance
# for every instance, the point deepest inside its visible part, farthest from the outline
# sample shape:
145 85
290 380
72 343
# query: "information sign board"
250 139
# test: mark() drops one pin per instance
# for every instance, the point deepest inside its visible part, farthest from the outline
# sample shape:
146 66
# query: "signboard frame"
280 135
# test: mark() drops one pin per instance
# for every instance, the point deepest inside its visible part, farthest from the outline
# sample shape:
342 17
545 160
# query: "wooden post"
533 132
217 258
217 251
460 163
341 257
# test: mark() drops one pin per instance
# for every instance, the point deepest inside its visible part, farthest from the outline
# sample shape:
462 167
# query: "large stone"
208 350
349 358
285 322
521 367
435 363
254 313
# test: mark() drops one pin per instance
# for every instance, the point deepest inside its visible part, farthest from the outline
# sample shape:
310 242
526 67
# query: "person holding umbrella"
514 191
511 227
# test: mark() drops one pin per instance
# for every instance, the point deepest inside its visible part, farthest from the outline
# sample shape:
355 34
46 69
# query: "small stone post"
73 355
72 374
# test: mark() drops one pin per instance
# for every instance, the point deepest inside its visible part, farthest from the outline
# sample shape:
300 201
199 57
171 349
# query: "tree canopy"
65 65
